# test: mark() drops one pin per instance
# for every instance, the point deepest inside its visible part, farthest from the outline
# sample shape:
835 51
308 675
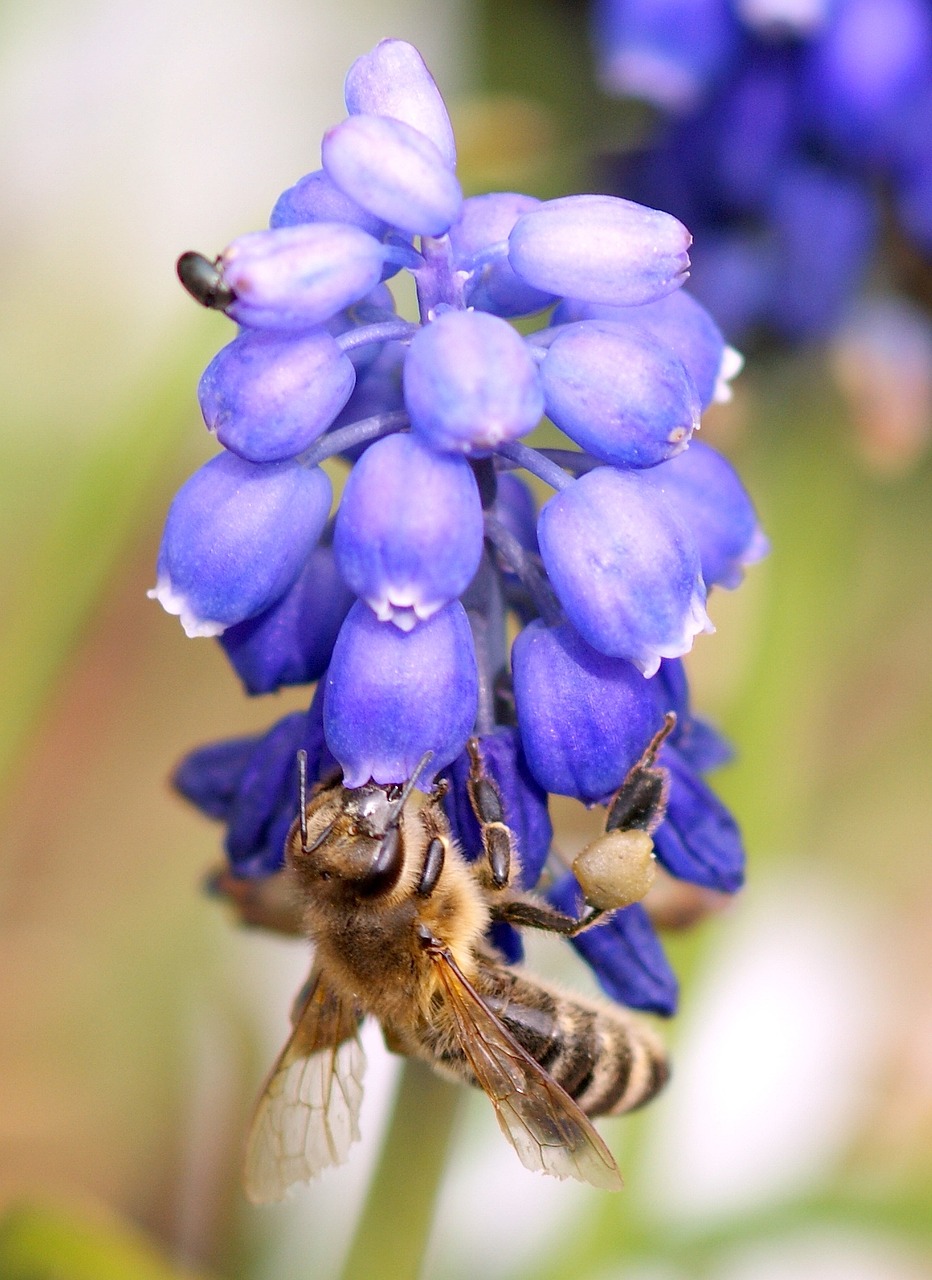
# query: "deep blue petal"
210 775
669 52
585 719
698 840
392 695
625 953
292 642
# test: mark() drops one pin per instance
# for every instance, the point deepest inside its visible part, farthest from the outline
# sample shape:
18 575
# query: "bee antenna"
302 796
410 785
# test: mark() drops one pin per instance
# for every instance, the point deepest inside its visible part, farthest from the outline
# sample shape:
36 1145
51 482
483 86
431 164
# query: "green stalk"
394 1228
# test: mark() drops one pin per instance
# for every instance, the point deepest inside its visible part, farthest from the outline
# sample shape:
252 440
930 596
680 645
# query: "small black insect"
204 281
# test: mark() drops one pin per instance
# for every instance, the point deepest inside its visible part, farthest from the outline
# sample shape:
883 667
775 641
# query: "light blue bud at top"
236 537
394 171
625 567
698 840
267 396
392 695
409 531
470 383
393 81
704 489
680 323
584 718
479 238
296 277
624 953
292 641
314 198
619 393
600 249
864 71
668 52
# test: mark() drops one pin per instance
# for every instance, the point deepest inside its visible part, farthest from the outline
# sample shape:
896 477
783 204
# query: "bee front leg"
497 838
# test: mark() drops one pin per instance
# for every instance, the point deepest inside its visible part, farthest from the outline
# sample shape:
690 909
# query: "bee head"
352 835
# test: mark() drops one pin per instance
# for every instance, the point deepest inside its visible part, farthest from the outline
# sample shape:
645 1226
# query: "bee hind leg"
533 913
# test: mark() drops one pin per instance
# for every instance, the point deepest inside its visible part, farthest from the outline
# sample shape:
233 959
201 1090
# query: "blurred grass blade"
49 1242
82 518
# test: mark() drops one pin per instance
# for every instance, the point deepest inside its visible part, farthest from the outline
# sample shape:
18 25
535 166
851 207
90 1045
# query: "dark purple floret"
624 953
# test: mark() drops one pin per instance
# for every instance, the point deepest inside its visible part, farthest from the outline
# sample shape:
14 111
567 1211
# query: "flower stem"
534 461
334 442
394 1228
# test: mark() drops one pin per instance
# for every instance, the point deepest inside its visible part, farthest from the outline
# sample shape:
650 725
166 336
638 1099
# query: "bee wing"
307 1116
541 1121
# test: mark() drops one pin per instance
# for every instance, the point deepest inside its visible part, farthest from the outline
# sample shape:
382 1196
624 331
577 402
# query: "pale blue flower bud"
393 81
394 171
619 393
479 238
705 491
314 198
236 537
409 530
470 383
296 277
680 323
625 567
269 395
601 249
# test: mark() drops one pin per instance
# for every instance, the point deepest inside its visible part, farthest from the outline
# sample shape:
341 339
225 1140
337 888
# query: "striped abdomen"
605 1059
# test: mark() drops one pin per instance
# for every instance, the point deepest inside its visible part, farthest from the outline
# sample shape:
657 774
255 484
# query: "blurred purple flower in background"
398 603
791 137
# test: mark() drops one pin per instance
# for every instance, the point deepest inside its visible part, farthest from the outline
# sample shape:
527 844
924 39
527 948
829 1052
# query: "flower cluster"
397 605
792 136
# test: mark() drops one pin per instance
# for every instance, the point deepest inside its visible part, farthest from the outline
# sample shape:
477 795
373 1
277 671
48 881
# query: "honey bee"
398 918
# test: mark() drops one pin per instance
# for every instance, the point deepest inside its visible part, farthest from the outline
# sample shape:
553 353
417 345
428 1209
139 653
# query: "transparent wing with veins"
307 1117
541 1121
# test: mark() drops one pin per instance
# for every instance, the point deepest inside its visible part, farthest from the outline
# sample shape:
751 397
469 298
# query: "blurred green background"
796 1137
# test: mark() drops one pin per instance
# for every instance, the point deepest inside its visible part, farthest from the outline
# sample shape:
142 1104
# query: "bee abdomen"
605 1061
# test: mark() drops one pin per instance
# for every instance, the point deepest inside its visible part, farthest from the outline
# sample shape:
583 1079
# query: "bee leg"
640 802
534 913
486 801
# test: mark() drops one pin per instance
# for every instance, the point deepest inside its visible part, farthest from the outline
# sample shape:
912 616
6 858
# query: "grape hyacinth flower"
790 137
397 604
